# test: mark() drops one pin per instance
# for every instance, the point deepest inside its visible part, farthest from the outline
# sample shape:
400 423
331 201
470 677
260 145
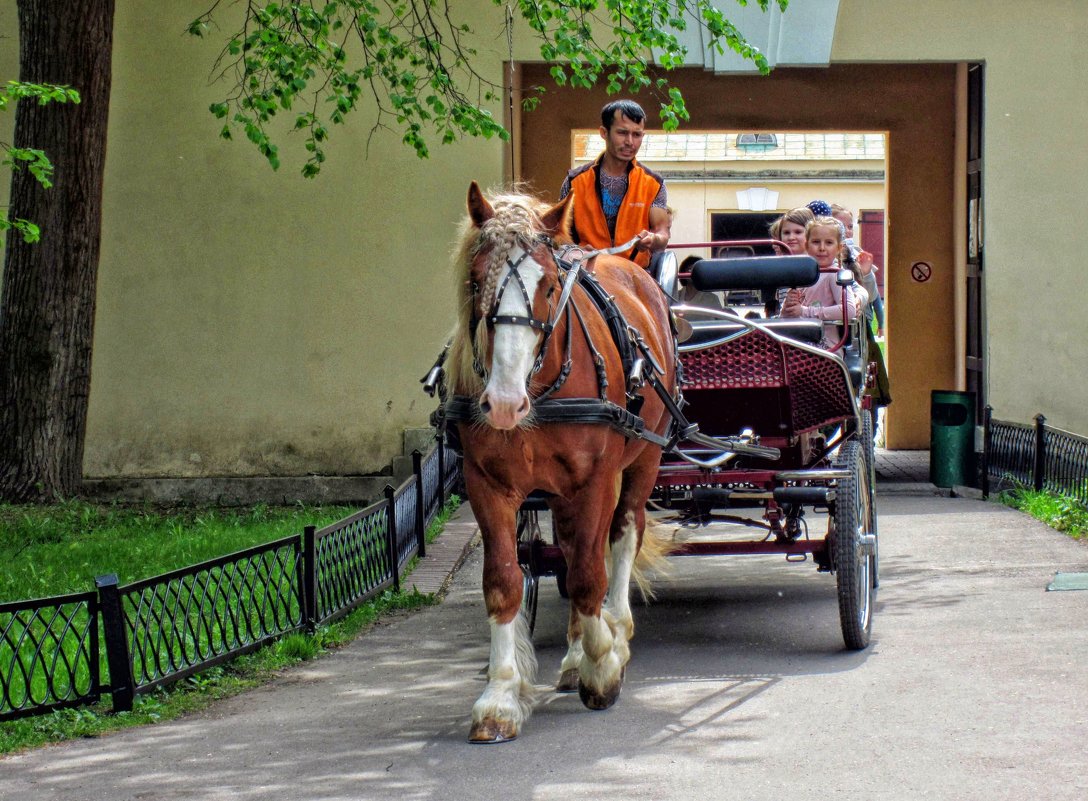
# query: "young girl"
865 275
790 230
823 300
861 264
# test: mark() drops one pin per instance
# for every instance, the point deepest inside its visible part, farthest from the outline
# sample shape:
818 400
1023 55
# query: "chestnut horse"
511 344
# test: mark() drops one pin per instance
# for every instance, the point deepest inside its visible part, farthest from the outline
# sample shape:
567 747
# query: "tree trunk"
48 300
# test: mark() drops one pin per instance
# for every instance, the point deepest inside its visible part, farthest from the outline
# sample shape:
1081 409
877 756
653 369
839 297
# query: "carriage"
800 429
576 381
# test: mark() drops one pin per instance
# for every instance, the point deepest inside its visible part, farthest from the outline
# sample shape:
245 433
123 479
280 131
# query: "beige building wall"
252 322
1035 160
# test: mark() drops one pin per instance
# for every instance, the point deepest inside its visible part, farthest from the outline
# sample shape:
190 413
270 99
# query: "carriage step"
808 496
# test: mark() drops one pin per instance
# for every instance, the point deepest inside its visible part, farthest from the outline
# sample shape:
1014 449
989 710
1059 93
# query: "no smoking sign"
921 271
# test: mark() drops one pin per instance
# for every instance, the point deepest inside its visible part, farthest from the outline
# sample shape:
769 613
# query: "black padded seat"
703 332
757 272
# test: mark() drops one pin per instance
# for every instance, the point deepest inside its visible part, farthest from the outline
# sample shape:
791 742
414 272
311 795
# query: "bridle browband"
513 319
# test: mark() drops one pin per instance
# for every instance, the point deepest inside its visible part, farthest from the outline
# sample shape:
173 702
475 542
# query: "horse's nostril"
524 407
485 406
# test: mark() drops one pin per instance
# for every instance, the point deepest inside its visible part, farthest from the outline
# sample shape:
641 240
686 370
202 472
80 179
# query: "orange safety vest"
590 226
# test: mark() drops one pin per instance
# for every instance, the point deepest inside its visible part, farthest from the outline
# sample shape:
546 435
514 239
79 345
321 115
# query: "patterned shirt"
613 189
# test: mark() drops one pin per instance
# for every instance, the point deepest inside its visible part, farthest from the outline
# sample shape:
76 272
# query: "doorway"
913 105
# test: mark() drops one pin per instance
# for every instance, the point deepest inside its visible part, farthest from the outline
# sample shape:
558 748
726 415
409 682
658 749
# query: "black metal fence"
160 630
1037 456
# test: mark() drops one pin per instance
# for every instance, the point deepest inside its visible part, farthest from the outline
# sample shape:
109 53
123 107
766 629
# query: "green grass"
1057 511
440 519
58 549
50 550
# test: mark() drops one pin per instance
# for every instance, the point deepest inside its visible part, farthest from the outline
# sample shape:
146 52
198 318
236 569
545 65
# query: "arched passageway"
915 105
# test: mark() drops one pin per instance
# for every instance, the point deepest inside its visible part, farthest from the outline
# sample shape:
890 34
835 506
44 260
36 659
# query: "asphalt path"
739 688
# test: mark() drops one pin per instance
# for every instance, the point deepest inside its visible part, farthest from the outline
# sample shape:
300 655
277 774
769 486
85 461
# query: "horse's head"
515 287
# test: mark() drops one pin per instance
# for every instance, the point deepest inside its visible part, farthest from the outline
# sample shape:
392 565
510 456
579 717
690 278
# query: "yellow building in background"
253 323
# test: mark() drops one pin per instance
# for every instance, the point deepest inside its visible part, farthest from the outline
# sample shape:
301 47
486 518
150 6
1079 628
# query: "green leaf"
417 71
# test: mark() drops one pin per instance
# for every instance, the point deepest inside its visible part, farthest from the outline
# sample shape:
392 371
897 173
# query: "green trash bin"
952 438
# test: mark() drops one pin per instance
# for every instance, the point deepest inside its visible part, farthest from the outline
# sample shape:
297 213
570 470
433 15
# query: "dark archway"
915 104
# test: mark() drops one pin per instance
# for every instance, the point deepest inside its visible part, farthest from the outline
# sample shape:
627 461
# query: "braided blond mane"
516 222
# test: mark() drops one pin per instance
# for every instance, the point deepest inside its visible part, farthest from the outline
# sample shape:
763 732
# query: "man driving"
615 197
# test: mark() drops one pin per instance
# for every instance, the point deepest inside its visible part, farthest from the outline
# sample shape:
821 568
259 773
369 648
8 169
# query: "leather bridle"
546 327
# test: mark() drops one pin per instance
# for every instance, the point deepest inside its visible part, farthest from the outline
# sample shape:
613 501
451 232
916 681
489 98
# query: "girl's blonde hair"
824 222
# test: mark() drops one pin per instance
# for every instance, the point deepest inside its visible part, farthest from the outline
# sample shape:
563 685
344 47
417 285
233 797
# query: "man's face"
624 138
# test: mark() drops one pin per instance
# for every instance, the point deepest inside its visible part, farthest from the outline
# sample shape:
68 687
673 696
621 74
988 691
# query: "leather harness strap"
589 411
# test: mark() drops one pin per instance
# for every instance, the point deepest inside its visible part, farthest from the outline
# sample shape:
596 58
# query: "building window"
757 142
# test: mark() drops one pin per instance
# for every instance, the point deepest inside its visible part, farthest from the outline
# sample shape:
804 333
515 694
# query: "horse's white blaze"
513 348
511 673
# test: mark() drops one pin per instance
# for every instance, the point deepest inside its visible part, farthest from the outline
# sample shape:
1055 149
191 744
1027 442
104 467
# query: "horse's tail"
657 543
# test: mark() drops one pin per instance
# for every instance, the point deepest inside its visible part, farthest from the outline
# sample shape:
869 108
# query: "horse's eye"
550 292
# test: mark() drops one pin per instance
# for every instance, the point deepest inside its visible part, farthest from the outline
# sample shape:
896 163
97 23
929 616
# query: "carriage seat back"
704 332
756 272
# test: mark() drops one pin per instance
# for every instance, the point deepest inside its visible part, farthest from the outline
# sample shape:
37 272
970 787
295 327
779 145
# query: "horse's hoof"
489 730
568 682
599 700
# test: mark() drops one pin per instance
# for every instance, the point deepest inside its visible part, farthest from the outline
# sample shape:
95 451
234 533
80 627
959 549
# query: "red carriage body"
801 409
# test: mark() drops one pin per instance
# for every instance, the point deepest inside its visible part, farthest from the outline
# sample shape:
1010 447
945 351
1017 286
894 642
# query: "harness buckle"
635 378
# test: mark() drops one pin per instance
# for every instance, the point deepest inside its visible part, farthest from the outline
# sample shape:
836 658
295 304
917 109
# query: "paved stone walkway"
897 467
446 554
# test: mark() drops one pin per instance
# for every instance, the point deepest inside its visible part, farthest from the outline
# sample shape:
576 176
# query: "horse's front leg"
507 701
616 611
594 649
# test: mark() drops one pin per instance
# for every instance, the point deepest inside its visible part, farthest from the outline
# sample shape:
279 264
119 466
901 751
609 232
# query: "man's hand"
648 240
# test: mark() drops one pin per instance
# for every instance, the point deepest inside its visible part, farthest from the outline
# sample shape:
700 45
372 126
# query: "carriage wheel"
869 449
854 547
528 530
865 434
